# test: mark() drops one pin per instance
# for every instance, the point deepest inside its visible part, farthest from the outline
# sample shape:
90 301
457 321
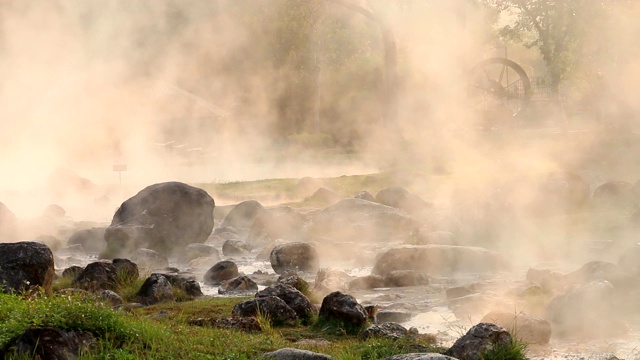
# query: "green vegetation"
514 350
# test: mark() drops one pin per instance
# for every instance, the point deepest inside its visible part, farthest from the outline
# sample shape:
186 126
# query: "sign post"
120 168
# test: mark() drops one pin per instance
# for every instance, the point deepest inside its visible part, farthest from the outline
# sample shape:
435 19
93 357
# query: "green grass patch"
514 350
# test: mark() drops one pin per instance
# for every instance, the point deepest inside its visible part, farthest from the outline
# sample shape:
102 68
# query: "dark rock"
25 265
402 278
361 219
221 271
293 298
240 284
366 282
389 330
72 271
294 280
113 298
233 247
478 340
527 328
149 259
187 284
97 276
126 269
92 240
163 217
295 354
295 256
392 316
241 217
155 289
344 308
272 307
53 344
439 259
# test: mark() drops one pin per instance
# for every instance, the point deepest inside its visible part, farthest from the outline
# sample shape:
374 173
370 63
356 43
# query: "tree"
558 29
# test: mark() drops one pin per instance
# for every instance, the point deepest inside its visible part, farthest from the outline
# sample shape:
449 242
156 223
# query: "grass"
514 350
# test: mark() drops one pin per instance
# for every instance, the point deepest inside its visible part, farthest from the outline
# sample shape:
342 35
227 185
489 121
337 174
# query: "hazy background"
209 91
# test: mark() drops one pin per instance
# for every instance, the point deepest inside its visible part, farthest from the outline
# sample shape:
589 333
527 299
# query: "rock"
92 240
330 280
163 217
149 259
221 271
265 253
323 196
293 298
110 296
187 284
366 282
435 237
402 278
390 330
246 324
576 312
52 343
126 269
526 328
478 340
392 316
459 291
400 198
295 354
602 270
295 281
194 251
8 223
155 289
614 195
272 307
439 259
241 217
233 247
72 250
54 211
51 241
97 276
420 356
343 308
351 219
25 265
240 284
365 195
283 222
72 271
295 256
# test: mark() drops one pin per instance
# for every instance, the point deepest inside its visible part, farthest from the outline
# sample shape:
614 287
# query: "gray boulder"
234 247
293 298
196 250
439 259
92 240
52 343
366 282
149 259
296 256
155 289
272 307
242 215
343 308
163 217
240 284
97 276
221 271
24 265
478 340
390 330
295 354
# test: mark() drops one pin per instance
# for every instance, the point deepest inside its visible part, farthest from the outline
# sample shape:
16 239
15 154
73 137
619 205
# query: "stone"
296 256
149 259
344 308
240 284
367 221
402 278
459 291
365 195
233 247
164 217
330 280
366 282
439 259
295 354
296 281
97 276
112 297
52 343
323 196
126 269
196 250
187 284
72 271
242 215
526 328
155 289
272 307
390 330
283 222
293 298
478 340
92 240
221 271
25 265
420 356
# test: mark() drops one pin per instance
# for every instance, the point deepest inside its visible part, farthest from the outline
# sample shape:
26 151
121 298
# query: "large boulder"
343 308
293 298
221 271
295 256
439 259
52 344
401 198
97 276
162 217
24 265
149 259
361 219
283 222
272 307
194 251
92 240
389 330
155 289
241 217
478 340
